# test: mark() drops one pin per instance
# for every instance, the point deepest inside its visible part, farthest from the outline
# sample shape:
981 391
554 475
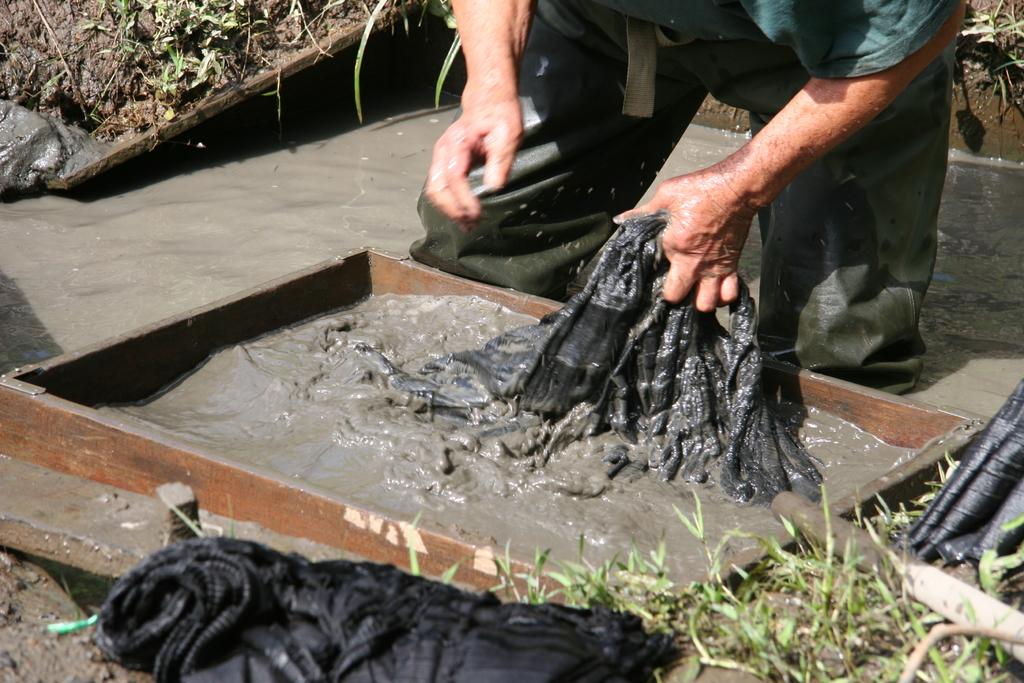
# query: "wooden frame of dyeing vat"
47 418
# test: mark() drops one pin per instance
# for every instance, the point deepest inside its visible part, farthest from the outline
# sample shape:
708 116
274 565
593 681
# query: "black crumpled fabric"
213 610
683 392
972 512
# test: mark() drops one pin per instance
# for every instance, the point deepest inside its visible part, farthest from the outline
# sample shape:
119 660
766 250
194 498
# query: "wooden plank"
133 366
136 365
392 276
43 513
906 482
59 435
103 529
900 485
894 419
215 104
910 479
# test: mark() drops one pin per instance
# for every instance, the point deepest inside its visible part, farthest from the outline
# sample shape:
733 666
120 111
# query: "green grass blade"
449 574
192 526
414 558
449 59
65 627
374 15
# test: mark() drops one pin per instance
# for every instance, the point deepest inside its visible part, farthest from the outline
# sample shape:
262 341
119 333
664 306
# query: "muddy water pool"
306 404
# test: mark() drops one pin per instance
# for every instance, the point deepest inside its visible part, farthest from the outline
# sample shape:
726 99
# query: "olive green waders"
848 247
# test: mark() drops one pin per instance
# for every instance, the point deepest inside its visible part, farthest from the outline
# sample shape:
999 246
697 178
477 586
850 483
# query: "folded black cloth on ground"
973 510
214 610
681 390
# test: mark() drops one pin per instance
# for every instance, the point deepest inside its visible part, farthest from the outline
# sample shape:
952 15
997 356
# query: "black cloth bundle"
684 393
213 610
973 511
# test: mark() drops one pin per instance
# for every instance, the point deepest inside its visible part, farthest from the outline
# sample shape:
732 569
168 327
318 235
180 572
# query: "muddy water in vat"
305 403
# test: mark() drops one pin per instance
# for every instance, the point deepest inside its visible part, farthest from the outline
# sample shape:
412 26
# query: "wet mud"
307 403
29 654
76 270
36 148
30 598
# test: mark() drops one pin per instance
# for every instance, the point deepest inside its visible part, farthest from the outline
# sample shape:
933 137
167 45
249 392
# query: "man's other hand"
708 225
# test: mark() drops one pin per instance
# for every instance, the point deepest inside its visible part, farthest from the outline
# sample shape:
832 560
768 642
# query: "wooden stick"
939 632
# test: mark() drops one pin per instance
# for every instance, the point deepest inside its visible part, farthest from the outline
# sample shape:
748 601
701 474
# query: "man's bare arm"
711 210
490 127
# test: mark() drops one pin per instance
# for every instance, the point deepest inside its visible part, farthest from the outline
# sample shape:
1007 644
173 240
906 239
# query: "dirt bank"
116 68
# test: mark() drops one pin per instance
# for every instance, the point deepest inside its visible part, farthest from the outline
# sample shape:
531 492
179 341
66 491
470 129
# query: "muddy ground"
30 598
116 67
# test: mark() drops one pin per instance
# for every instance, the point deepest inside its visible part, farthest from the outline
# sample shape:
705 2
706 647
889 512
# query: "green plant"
414 557
996 32
370 23
276 94
194 39
993 568
536 588
802 613
440 8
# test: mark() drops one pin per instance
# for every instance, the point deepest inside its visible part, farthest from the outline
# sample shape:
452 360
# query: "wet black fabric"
973 511
213 610
681 390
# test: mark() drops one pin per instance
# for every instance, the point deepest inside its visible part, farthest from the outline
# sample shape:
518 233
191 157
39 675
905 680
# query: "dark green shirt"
837 39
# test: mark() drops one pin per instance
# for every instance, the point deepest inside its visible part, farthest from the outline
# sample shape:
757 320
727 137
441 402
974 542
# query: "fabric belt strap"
641 69
643 38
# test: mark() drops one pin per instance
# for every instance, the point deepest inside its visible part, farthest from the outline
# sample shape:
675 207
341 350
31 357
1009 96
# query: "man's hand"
708 224
489 130
491 125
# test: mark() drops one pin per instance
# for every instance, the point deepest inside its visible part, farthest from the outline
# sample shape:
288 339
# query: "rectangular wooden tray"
47 415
